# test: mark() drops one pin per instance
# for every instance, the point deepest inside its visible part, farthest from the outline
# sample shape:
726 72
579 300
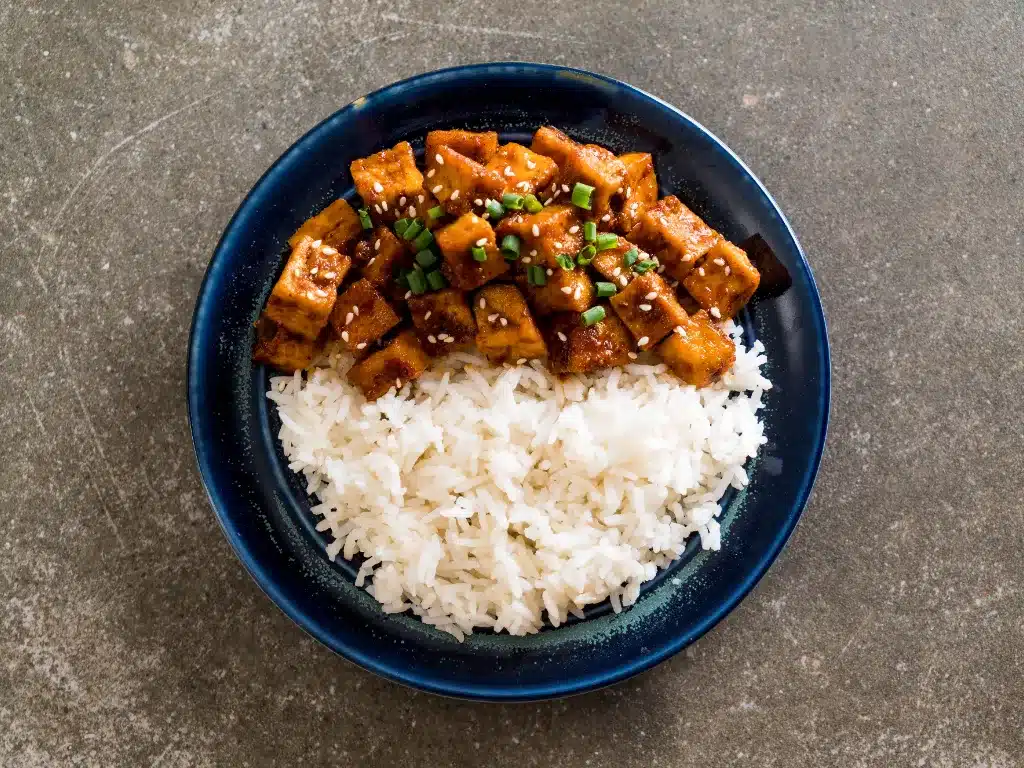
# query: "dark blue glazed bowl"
263 509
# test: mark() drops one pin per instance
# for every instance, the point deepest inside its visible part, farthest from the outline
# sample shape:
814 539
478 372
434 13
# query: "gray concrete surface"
891 631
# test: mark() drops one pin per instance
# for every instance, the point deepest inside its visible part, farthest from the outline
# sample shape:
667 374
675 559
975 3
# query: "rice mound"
496 497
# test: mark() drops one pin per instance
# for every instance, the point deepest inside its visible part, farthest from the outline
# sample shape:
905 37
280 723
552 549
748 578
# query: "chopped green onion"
423 240
631 256
581 195
436 212
510 247
644 266
607 240
605 289
512 201
436 280
414 228
479 254
364 219
495 209
401 225
403 277
535 275
586 255
565 262
590 231
417 282
532 204
426 258
592 315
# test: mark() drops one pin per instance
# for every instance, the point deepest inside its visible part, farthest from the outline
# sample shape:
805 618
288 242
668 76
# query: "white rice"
499 497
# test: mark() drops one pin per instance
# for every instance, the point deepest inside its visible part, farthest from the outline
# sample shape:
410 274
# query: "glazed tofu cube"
505 329
476 146
564 291
361 315
522 170
336 225
386 177
280 348
611 263
723 281
400 362
640 189
457 241
384 256
303 296
601 169
456 180
552 143
577 348
554 230
443 321
649 309
697 352
675 234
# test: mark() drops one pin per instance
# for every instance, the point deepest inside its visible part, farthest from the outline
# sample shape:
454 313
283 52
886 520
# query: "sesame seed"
455 195
536 230
623 280
378 187
520 361
700 271
311 295
720 262
566 289
633 207
549 201
557 193
527 259
578 292
629 191
645 307
412 211
316 244
530 164
420 198
574 229
715 312
617 271
448 339
478 201
674 284
508 171
492 317
432 339
428 314
503 321
384 204
344 335
328 251
439 159
437 189
550 272
562 337
661 268
376 244
643 340
355 310
430 174
398 383
483 303
619 190
632 355
523 185
348 318
565 187
651 296
408 295
679 329
474 219
401 200
606 217
314 270
361 345
728 270
370 262
321 293
533 253
330 275
482 241
554 186
558 244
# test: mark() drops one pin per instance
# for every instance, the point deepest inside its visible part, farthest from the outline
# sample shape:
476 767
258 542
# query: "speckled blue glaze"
262 507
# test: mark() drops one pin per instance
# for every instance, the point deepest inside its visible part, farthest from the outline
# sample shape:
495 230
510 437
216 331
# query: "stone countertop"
889 633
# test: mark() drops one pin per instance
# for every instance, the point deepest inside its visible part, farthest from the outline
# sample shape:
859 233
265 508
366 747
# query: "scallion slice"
423 240
417 282
644 266
605 290
401 225
479 254
364 219
592 315
590 231
532 204
435 280
607 240
426 258
581 195
512 201
436 212
495 209
586 255
631 256
565 262
510 247
414 228
536 275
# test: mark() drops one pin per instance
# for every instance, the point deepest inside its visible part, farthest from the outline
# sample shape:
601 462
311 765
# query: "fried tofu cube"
599 168
339 220
361 315
401 361
506 330
723 281
476 146
457 241
697 352
649 309
384 178
555 230
577 348
552 143
443 321
280 348
565 291
382 256
456 180
640 189
611 263
675 234
522 170
303 296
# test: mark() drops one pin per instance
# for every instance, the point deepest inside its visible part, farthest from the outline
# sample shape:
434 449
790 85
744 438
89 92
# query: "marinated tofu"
465 266
564 290
585 163
382 257
697 351
674 234
337 225
401 361
649 309
506 331
384 178
640 189
555 230
723 281
522 170
303 296
552 143
476 146
577 348
362 315
443 321
279 348
457 181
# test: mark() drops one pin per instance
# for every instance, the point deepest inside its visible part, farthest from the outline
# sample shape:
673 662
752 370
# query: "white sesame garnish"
503 321
478 201
651 296
700 271
482 241
715 312
378 187
566 290
527 259
533 252
427 315
509 171
557 193
623 280
679 329
606 217
439 159
449 339
661 268
311 294
617 271
633 207
401 200
565 187
632 355
562 337
574 229
316 244
578 292
455 195
361 345
370 262
384 204
437 189
492 317
629 191
558 244
430 174
720 262
643 340
530 164
348 318
525 185
355 310
420 198
645 307
321 293
554 186
328 251
549 201
330 275
536 230
728 270
314 270
474 219
619 190
344 335
376 244
483 303
432 339
408 295
550 271
412 211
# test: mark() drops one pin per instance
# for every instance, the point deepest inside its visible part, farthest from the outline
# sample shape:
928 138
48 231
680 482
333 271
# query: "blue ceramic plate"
263 509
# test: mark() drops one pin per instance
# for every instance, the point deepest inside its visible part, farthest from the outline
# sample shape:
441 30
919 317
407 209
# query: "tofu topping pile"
558 250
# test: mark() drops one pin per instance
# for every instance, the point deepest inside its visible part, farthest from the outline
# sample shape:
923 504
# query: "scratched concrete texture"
889 633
